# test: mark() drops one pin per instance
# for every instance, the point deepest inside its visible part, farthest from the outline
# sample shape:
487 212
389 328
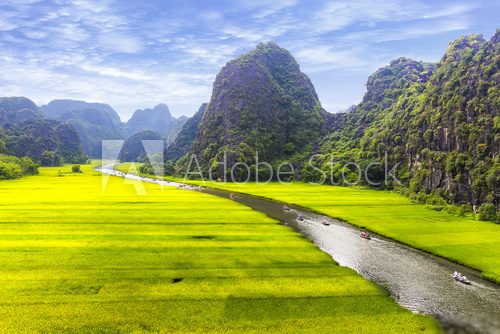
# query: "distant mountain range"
157 119
95 122
24 132
90 122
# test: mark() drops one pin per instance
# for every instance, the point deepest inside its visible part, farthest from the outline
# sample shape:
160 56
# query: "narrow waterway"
418 281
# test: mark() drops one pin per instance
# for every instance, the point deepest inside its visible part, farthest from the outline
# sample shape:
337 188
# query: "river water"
416 280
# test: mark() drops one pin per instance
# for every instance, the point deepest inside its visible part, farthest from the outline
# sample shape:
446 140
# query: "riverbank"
417 280
469 242
466 241
82 259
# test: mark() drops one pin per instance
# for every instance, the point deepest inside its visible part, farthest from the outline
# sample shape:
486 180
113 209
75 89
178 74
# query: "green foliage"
9 171
489 212
76 169
32 138
12 167
47 158
262 103
154 165
2 141
169 168
26 133
440 123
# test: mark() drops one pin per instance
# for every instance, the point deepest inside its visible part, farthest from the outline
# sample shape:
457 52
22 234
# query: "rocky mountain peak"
389 80
261 101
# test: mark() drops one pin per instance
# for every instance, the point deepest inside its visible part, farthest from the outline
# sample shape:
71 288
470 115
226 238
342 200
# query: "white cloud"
273 7
412 31
34 34
324 58
115 73
133 54
340 14
452 10
120 42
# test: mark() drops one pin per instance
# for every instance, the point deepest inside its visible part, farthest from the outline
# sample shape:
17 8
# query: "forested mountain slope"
26 133
261 101
441 123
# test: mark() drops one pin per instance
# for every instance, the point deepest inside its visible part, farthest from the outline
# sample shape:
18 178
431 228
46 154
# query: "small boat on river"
325 222
365 235
460 278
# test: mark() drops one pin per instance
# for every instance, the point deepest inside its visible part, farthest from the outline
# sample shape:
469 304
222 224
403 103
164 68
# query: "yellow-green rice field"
464 240
76 259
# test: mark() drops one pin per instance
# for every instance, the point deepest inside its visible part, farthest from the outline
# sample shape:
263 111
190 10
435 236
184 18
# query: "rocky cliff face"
453 139
262 102
383 89
440 122
186 136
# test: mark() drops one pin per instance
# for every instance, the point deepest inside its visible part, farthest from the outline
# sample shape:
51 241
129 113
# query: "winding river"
416 280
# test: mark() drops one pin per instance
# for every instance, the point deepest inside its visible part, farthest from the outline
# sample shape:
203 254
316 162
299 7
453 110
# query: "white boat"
460 278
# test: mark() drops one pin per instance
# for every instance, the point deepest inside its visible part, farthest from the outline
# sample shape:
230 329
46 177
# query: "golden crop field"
461 239
76 259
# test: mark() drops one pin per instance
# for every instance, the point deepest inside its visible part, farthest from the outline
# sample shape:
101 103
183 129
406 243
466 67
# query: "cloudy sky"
136 54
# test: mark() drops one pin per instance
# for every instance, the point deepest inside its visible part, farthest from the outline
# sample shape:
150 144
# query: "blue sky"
136 54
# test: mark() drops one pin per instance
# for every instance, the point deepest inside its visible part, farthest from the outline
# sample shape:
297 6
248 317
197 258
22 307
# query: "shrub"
488 211
169 168
28 166
47 158
435 200
10 170
76 169
13 167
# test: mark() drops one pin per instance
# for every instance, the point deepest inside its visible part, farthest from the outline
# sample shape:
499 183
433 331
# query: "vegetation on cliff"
26 133
261 102
439 123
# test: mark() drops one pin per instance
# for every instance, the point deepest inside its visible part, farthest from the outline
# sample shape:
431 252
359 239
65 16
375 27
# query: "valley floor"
464 240
74 258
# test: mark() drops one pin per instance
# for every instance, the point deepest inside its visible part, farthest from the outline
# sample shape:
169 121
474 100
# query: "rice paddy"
461 239
78 259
